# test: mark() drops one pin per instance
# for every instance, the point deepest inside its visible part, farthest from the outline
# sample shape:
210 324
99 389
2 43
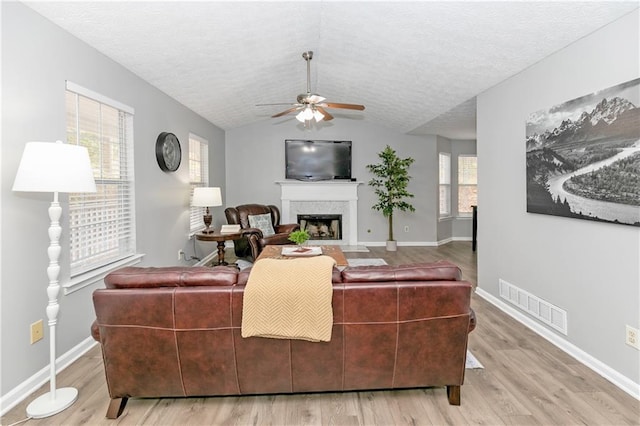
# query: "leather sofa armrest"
287 228
472 320
95 331
246 232
276 239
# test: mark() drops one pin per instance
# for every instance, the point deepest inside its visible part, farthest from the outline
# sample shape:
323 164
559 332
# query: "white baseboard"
415 243
400 243
26 388
618 379
462 239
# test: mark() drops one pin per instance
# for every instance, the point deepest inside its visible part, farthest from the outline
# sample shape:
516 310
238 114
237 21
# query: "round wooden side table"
220 238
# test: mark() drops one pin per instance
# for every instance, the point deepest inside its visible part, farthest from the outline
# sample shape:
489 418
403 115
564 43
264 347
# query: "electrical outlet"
180 254
37 331
633 337
406 228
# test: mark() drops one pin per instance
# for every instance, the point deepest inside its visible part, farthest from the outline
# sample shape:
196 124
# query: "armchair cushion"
263 223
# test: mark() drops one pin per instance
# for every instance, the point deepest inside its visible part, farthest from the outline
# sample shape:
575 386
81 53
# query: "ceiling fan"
312 106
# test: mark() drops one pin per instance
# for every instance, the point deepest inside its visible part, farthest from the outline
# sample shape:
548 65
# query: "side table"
220 238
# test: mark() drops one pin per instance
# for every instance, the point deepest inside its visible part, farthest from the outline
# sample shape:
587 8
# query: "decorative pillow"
262 222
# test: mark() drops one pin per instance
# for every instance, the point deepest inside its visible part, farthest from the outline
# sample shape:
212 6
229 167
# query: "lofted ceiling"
416 66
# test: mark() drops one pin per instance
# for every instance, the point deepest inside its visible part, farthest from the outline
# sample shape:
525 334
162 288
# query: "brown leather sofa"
176 332
253 240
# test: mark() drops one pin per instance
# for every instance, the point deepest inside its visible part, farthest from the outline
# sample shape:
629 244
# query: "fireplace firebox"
321 226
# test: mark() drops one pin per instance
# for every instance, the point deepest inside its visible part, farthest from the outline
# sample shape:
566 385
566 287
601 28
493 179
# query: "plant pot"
392 245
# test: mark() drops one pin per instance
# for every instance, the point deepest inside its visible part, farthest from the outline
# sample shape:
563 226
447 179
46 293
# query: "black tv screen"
317 160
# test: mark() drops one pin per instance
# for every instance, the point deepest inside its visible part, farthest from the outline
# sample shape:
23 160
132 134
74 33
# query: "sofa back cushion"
173 276
437 271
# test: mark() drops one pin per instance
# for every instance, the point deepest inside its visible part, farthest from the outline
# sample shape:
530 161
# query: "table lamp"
207 197
54 167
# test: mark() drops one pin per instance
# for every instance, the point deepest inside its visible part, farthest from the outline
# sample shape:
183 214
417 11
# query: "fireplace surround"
323 198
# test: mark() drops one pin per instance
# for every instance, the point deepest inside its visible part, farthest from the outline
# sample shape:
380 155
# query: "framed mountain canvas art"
583 157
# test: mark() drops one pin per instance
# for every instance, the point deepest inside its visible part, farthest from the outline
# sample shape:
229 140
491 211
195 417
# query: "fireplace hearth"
321 226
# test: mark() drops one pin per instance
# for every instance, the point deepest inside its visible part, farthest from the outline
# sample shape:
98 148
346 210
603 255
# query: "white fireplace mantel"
337 193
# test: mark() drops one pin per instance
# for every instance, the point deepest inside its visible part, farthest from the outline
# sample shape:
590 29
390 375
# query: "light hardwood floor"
526 381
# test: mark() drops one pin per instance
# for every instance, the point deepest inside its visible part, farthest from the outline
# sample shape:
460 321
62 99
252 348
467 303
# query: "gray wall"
255 161
590 269
37 58
445 225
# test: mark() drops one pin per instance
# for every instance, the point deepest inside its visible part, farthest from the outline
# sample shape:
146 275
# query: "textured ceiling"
416 66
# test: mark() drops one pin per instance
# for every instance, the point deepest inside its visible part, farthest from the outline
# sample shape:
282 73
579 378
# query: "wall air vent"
534 306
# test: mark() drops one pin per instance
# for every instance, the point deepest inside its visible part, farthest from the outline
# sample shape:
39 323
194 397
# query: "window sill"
96 275
445 218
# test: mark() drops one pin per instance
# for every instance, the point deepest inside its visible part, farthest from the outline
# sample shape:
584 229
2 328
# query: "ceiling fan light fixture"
318 115
305 115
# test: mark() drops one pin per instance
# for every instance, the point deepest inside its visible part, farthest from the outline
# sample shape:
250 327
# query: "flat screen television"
317 159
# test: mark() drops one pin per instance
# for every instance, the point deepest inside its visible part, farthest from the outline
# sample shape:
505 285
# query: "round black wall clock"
168 152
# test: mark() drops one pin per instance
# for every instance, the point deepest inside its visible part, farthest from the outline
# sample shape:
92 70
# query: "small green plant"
299 236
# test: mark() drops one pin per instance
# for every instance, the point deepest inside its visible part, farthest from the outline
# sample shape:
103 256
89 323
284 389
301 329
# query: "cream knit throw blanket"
289 299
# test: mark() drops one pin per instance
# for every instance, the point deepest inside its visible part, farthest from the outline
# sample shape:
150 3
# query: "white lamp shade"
206 197
54 167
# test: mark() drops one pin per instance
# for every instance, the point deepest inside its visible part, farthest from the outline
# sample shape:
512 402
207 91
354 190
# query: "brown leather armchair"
254 240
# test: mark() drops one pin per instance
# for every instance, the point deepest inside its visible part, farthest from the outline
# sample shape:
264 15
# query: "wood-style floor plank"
526 381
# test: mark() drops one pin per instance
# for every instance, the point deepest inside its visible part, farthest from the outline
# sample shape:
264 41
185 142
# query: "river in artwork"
605 210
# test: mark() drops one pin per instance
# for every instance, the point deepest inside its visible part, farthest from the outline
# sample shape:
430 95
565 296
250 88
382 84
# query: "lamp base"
45 406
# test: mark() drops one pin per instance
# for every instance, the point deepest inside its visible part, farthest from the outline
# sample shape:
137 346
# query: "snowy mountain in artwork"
616 117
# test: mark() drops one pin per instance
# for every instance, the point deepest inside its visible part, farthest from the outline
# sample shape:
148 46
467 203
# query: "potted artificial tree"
391 177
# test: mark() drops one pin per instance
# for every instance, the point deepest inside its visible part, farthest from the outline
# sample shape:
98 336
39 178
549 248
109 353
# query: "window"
102 224
444 181
467 184
198 177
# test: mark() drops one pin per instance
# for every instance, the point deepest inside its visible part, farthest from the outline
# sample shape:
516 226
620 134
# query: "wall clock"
168 152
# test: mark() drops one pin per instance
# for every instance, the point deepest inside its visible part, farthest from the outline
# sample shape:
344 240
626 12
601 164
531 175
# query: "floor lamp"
54 167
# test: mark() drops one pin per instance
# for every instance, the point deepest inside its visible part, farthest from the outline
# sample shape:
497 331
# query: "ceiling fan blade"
344 106
285 112
315 99
281 103
324 112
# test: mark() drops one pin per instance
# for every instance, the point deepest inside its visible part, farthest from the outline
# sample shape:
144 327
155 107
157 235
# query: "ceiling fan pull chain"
307 57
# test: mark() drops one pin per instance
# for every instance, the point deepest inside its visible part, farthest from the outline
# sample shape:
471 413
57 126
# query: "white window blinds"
102 224
198 177
444 184
467 184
